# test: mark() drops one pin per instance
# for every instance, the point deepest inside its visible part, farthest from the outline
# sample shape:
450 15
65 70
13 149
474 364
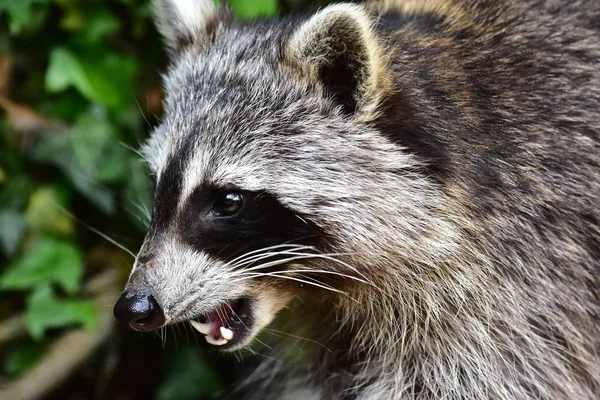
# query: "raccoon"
412 187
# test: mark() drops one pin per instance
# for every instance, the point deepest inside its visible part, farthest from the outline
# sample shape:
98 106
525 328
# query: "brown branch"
71 349
12 328
25 120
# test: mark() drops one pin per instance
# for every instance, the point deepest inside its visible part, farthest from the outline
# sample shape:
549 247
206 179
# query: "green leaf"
63 70
20 13
23 357
12 229
101 197
48 261
15 192
97 149
44 214
66 69
101 24
189 377
245 9
45 311
115 164
82 154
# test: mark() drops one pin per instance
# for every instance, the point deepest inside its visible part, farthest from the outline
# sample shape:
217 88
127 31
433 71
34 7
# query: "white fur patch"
184 20
192 14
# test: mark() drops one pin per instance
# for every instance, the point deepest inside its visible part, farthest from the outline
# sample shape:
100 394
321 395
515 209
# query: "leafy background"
79 91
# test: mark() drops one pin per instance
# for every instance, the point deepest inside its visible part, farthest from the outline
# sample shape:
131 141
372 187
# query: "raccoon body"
415 185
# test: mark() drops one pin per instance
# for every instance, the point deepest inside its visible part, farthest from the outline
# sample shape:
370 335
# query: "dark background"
79 91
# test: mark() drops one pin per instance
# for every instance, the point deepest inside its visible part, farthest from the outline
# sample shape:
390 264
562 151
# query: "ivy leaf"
101 24
15 192
19 13
81 154
45 311
48 261
23 357
12 229
98 152
44 215
245 9
66 69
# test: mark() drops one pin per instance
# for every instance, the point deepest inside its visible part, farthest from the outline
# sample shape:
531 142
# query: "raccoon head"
271 182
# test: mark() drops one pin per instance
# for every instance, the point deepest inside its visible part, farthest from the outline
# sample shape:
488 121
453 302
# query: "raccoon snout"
139 311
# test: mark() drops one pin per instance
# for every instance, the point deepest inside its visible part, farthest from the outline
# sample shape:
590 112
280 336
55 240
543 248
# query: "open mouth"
227 325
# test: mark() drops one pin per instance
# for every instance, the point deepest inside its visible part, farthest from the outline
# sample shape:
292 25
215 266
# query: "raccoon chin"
235 323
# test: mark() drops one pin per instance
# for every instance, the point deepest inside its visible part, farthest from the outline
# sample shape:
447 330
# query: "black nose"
140 311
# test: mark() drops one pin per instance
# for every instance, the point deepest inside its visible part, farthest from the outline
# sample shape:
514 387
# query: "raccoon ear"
185 23
339 48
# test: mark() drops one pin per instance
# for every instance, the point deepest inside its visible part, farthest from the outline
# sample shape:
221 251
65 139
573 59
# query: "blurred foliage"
80 87
70 74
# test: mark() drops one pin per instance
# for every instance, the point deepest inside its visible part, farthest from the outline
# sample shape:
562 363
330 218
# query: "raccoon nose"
140 311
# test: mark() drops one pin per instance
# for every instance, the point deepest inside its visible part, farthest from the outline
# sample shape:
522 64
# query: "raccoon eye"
227 204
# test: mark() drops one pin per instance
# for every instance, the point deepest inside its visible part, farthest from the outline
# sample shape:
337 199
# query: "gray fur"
473 248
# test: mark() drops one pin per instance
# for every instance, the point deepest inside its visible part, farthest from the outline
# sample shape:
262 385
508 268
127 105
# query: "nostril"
139 311
150 318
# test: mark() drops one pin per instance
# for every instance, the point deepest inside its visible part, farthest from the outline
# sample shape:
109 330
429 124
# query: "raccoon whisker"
253 259
221 315
300 256
327 256
162 335
136 216
367 280
264 250
234 313
258 261
256 353
302 219
297 252
245 326
293 343
145 119
128 147
318 271
146 217
263 343
194 335
318 282
148 213
96 231
157 333
141 207
278 246
331 257
275 331
174 336
187 327
294 252
292 278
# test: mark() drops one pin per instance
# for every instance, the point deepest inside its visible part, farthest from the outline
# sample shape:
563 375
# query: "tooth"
226 333
216 342
201 327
